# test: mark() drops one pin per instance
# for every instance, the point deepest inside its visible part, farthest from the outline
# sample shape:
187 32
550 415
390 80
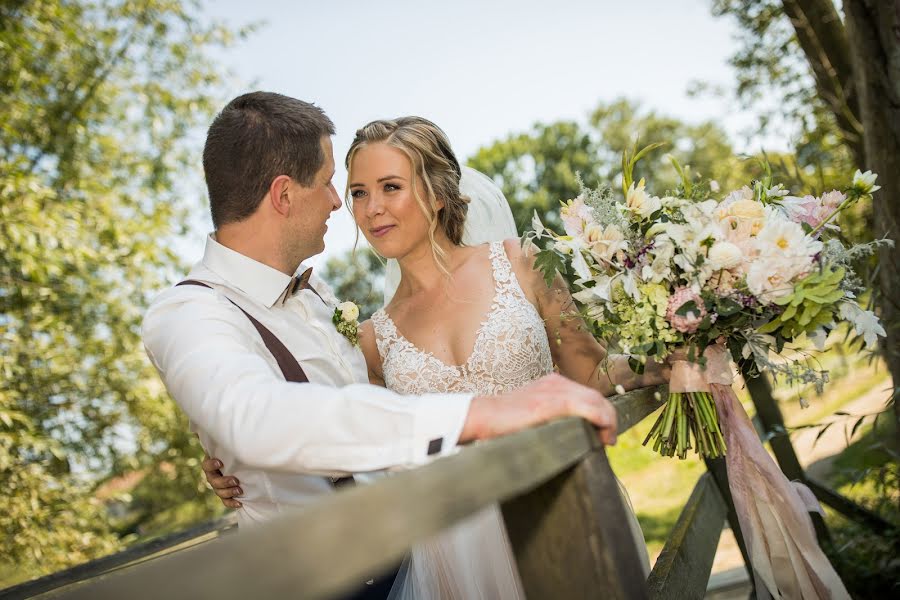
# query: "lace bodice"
511 347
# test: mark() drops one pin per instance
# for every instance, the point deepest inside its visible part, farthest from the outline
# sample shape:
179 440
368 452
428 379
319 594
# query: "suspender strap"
286 362
289 366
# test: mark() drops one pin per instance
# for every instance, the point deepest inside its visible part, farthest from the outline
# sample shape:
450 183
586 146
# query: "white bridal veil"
488 219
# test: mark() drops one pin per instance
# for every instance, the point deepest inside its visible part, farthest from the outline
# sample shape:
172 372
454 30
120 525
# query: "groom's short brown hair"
257 137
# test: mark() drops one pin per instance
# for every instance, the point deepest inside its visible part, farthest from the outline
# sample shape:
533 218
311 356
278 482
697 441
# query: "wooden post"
571 536
719 471
683 567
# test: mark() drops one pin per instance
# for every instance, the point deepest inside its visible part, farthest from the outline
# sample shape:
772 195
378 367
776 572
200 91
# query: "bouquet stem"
689 420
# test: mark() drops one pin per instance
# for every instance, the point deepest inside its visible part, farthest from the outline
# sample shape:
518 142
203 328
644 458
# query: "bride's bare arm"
370 351
575 351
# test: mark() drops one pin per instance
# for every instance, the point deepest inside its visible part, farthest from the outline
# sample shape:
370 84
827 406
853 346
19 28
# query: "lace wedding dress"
472 560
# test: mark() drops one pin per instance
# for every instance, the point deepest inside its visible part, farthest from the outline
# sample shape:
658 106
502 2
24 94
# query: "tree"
358 276
539 168
839 79
98 99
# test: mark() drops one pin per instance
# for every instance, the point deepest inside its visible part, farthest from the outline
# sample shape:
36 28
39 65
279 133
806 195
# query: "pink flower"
687 323
811 210
575 216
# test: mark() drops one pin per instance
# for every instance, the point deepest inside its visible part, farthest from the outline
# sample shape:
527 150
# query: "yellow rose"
746 209
747 216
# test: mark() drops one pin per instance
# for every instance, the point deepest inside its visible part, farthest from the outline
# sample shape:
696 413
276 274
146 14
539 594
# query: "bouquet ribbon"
773 512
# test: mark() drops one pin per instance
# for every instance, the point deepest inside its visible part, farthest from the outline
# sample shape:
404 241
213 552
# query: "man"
268 163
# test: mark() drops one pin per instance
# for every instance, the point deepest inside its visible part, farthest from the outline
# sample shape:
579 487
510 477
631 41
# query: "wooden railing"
565 518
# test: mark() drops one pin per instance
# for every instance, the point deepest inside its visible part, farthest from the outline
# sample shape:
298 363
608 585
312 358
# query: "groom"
246 344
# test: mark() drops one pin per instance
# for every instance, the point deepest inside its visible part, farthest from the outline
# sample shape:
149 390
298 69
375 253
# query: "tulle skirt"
473 560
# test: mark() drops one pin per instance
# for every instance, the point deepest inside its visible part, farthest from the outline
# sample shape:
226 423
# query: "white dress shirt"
282 439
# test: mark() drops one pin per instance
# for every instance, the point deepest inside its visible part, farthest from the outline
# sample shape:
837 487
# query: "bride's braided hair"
433 160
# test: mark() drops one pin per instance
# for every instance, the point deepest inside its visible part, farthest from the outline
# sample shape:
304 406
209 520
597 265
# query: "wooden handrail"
384 519
334 544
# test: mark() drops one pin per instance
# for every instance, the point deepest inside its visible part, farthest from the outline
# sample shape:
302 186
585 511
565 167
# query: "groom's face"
316 203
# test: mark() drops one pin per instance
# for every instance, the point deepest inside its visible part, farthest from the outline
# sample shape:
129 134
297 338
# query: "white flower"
536 224
605 242
770 278
725 255
574 246
659 267
638 201
714 186
780 237
745 193
864 321
349 311
818 338
865 182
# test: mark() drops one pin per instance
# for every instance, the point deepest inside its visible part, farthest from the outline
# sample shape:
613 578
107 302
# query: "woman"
463 318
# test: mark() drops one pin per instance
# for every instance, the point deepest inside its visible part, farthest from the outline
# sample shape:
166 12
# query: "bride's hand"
226 487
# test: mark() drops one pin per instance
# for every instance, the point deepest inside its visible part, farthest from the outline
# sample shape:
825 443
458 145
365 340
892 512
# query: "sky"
480 70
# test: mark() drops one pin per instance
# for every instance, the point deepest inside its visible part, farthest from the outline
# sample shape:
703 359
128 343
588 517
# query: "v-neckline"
495 300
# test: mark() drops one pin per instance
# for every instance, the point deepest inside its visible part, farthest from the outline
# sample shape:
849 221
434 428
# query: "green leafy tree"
97 99
540 168
358 276
836 78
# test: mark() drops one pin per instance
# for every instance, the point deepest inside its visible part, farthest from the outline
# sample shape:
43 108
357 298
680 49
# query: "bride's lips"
381 231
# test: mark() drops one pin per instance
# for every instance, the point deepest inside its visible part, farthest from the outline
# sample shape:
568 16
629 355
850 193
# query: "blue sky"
480 70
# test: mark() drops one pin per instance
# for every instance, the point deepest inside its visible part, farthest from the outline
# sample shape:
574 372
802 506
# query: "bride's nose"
375 205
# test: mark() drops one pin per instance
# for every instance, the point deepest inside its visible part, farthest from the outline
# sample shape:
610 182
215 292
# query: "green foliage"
540 168
357 276
811 305
549 262
97 102
869 472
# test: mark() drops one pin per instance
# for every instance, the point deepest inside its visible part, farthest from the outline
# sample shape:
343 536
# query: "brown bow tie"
300 282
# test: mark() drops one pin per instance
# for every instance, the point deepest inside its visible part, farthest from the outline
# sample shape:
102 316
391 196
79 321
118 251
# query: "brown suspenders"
289 366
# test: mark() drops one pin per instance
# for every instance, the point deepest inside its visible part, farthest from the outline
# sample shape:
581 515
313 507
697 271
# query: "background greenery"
99 101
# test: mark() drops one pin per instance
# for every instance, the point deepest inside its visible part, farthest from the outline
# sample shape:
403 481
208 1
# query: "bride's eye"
390 187
357 194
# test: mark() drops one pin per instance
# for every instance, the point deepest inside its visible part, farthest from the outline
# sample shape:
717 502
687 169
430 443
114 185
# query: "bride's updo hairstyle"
429 152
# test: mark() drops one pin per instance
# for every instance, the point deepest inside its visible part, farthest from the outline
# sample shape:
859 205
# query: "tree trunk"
823 39
873 29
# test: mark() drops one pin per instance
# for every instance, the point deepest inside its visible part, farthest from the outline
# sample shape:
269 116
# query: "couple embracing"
462 351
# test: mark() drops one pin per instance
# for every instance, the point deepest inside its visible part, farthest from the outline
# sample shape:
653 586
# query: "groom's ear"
279 197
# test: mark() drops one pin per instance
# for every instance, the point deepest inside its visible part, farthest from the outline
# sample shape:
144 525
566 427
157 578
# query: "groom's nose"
335 199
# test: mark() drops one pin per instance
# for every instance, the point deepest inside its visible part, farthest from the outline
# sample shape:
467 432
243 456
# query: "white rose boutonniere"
345 320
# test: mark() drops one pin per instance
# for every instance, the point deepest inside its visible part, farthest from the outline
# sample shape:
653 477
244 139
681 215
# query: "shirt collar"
254 279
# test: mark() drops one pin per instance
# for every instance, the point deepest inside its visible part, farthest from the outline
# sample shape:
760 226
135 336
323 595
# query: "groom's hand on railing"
550 397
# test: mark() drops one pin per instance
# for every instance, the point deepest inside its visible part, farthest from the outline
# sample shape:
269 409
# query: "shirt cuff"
439 422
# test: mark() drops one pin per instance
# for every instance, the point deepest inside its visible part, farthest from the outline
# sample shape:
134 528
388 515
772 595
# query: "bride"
460 316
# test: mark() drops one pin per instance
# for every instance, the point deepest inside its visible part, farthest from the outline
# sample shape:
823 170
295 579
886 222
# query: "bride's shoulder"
520 256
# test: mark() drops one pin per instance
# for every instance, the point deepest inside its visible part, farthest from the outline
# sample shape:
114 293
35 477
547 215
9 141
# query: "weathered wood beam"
683 567
581 545
340 542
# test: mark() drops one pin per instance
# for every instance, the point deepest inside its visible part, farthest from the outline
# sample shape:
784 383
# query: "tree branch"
823 39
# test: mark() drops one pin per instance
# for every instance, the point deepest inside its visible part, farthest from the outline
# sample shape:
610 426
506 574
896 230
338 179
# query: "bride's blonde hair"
433 160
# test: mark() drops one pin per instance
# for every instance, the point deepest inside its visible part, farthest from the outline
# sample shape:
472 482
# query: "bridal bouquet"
716 276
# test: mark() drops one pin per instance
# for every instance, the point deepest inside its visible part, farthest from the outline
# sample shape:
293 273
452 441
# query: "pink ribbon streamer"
773 512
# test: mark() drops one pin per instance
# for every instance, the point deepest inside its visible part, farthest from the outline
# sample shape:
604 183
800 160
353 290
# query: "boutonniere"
345 320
